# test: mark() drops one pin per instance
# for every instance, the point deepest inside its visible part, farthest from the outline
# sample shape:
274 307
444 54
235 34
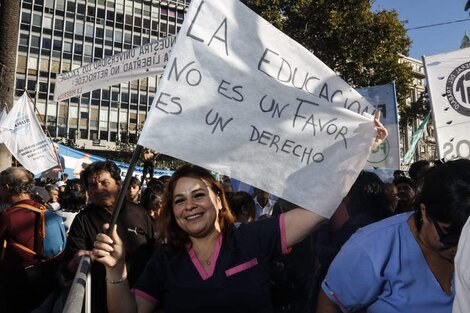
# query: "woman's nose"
189 205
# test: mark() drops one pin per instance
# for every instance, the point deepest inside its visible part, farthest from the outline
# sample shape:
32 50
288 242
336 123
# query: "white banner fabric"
241 98
144 61
387 154
3 116
448 76
23 136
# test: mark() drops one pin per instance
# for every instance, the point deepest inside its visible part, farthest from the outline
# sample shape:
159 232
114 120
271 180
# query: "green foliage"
417 109
362 46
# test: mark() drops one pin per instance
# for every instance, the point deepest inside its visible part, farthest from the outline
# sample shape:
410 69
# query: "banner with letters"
144 61
23 136
448 76
383 97
241 98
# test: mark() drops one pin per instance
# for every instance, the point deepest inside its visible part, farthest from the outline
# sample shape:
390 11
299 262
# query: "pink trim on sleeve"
242 267
139 293
330 294
282 226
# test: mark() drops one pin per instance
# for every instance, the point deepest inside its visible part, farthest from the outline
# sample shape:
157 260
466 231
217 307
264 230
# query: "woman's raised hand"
108 250
381 131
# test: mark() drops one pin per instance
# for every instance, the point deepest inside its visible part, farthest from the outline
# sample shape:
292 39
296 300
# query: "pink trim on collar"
202 272
282 226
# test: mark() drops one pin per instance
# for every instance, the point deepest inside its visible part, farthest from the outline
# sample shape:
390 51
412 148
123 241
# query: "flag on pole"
415 139
448 76
241 98
23 136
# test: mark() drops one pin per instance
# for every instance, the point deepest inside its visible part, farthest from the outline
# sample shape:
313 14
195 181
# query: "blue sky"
431 40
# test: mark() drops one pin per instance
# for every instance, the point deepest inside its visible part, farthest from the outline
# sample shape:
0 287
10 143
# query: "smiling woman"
203 259
204 263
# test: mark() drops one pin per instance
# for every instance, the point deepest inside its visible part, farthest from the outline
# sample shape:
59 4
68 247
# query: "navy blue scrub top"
237 280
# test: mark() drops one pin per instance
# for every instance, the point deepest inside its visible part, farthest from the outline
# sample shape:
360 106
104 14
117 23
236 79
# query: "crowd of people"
190 243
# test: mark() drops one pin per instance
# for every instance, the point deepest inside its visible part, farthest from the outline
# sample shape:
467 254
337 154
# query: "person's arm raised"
110 252
299 223
382 132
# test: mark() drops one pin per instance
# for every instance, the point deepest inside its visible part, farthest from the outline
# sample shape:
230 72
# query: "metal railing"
80 291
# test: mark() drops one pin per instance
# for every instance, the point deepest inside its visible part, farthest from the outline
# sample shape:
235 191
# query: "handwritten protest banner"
448 76
144 61
383 98
23 136
241 98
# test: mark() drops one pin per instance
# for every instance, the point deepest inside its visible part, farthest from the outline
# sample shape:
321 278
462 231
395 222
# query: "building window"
24 40
47 22
99 32
37 19
59 24
26 18
55 66
46 43
69 26
98 52
34 41
68 47
57 45
21 67
31 85
60 5
79 28
44 65
20 84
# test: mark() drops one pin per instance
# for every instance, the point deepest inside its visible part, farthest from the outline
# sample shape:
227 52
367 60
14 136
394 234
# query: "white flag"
241 98
24 137
383 98
144 61
448 76
3 116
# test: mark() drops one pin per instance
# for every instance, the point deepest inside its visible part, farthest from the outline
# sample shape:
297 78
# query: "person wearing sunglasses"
405 263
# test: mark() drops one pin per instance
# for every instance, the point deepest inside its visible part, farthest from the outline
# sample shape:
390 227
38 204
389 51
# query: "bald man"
21 273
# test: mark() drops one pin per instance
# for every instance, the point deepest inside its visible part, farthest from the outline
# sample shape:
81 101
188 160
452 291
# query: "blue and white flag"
23 136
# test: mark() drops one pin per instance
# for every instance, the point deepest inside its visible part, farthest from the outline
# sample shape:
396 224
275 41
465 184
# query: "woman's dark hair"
367 196
169 231
242 205
152 196
74 184
418 169
100 166
134 182
446 194
73 200
405 180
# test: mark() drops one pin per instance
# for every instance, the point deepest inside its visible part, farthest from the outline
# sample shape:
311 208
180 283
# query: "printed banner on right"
448 76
